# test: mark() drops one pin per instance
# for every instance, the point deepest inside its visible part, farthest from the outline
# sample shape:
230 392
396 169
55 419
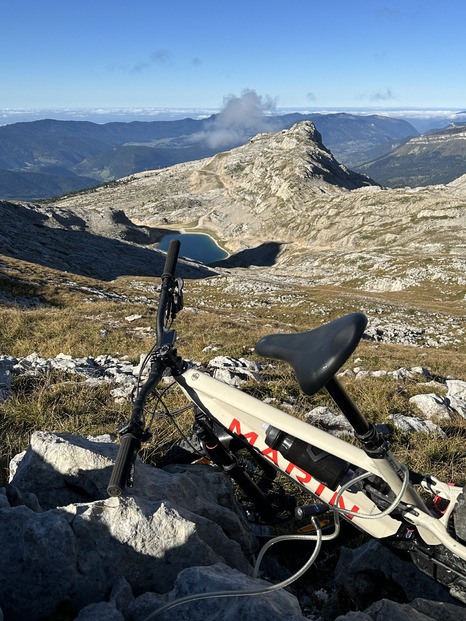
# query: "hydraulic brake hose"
369 516
318 538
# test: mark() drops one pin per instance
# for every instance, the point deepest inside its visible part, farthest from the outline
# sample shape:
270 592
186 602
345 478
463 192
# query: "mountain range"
280 204
41 159
433 158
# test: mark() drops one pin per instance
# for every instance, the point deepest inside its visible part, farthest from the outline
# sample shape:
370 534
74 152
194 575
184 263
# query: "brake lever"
178 296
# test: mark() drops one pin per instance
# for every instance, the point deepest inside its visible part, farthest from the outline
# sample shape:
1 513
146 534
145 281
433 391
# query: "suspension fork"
226 460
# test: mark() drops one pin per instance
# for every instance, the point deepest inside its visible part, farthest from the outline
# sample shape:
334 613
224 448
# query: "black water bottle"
325 467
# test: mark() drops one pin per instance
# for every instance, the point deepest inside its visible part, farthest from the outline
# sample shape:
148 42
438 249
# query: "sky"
184 54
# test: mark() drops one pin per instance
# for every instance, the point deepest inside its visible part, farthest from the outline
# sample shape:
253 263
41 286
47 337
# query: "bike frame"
245 416
387 506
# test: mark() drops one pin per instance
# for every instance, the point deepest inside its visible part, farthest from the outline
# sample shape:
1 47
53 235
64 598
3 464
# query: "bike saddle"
316 355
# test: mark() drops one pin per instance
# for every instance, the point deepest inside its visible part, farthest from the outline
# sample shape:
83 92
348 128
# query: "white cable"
275 540
317 537
368 516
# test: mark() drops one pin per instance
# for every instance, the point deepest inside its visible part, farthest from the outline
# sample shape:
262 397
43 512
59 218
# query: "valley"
294 222
434 158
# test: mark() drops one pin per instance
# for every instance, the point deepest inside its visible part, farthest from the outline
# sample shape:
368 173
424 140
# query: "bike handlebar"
168 278
133 433
124 463
172 258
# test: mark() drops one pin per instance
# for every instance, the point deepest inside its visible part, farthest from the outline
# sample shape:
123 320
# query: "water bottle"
325 467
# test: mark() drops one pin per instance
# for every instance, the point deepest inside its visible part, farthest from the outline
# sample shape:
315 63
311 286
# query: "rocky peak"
285 191
255 186
287 158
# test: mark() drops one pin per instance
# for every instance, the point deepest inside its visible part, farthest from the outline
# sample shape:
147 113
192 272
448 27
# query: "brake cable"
373 516
318 538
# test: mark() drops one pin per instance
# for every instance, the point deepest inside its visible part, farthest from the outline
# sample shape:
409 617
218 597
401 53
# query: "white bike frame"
246 416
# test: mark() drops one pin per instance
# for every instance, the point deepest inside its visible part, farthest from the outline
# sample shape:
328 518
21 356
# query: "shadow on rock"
62 240
264 255
70 543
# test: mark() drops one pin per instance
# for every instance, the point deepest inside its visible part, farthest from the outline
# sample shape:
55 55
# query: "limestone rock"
412 424
235 372
456 396
38 563
3 498
456 404
275 606
439 610
5 383
418 610
121 595
456 388
77 552
148 543
355 616
432 406
371 573
100 612
85 545
326 418
64 469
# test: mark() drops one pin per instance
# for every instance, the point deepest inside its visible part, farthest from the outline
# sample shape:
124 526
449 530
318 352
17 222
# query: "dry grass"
54 402
66 321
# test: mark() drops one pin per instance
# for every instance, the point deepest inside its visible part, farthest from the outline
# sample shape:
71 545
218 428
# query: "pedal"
310 528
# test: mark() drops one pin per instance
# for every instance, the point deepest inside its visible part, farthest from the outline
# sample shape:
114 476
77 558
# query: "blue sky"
179 53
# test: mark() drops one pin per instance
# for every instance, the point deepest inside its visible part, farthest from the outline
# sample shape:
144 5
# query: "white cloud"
239 119
383 95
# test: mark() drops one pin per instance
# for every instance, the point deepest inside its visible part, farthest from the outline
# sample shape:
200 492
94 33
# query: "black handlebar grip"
172 258
129 446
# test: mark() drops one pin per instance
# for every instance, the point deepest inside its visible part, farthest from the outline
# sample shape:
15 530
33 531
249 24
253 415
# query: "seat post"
374 443
347 406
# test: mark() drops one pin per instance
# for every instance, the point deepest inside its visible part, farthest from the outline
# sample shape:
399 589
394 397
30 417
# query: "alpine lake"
197 246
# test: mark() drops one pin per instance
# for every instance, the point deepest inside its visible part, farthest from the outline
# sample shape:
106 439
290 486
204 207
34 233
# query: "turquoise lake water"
195 246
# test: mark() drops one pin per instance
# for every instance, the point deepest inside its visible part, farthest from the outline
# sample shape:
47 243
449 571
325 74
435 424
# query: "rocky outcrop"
62 539
85 242
102 369
69 549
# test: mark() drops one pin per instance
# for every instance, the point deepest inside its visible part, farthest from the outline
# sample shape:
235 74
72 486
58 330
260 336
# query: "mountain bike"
363 484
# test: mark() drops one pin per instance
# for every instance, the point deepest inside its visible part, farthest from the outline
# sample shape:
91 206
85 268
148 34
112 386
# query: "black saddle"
316 355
